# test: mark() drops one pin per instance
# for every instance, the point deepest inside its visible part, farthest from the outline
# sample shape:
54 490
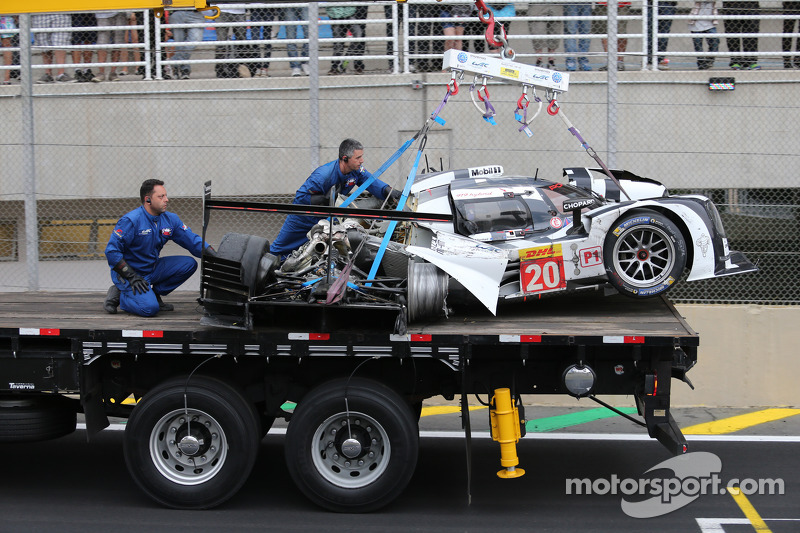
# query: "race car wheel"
645 254
191 444
352 446
252 252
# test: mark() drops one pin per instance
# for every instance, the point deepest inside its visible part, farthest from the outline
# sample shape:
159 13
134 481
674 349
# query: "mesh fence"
257 99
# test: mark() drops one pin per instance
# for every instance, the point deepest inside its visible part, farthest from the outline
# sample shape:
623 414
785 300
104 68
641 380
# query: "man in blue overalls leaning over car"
139 275
345 173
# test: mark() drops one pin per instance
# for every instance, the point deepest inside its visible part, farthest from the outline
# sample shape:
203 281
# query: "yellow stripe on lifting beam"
737 423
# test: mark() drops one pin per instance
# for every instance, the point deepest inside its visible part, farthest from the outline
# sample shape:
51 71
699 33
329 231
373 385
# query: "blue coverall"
138 238
294 230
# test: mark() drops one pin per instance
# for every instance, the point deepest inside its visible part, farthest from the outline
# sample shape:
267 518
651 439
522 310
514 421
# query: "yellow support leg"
504 417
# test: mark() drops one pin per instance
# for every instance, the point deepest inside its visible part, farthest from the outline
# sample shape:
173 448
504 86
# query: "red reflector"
319 336
153 334
421 338
631 339
53 332
530 338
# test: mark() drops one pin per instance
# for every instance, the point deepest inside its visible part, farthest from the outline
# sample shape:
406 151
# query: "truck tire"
28 418
192 453
645 254
355 467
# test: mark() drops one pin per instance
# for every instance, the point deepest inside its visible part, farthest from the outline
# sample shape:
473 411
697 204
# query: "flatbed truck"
205 396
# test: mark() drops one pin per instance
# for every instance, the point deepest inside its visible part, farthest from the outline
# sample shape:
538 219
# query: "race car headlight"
713 214
579 380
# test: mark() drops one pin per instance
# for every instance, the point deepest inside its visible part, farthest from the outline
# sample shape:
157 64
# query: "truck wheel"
356 457
193 452
644 254
34 418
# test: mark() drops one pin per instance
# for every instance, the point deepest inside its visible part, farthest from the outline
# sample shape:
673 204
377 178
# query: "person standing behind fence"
106 37
747 46
183 52
54 44
454 29
7 23
601 27
704 26
264 51
538 28
340 17
226 52
296 14
575 46
791 8
86 38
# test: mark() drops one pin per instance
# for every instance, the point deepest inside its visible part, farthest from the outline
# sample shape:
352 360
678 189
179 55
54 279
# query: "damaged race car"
473 234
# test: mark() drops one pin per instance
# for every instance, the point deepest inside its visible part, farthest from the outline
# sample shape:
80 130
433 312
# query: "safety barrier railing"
411 33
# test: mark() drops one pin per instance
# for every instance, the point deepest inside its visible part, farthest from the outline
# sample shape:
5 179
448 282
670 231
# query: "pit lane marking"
739 422
748 510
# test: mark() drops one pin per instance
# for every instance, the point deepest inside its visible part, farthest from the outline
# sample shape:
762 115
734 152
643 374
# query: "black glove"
138 284
395 194
211 252
318 199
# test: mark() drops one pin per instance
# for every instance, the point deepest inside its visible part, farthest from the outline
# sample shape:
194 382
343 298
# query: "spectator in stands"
151 45
183 52
340 17
359 31
87 38
601 27
107 37
343 174
7 23
573 46
454 29
296 14
228 68
665 9
704 8
133 254
747 46
791 8
540 28
53 43
131 37
261 32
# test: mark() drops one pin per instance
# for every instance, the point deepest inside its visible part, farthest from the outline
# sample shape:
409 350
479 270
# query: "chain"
486 15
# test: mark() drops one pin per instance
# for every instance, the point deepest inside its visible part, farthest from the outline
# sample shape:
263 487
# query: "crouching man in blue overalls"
345 173
140 276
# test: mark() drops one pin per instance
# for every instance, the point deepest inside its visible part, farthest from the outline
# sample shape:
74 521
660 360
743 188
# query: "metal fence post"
313 82
28 164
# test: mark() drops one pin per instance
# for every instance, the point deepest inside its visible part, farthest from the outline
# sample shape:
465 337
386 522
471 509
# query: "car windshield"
492 215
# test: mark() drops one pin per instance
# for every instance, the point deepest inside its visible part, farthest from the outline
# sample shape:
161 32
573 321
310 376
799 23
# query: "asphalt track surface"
69 485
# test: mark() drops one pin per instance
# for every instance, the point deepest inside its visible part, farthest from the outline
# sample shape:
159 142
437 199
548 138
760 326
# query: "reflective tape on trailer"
520 338
623 339
411 337
51 332
138 333
309 336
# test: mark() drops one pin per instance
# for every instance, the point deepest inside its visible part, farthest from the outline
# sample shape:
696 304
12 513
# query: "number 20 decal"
543 275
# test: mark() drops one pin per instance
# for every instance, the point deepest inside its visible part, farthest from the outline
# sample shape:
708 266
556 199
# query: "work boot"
162 306
112 300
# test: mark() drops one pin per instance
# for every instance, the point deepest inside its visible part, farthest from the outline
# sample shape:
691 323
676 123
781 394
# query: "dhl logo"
542 252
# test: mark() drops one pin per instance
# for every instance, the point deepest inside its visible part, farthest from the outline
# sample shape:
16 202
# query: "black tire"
252 252
28 418
226 437
356 468
644 254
